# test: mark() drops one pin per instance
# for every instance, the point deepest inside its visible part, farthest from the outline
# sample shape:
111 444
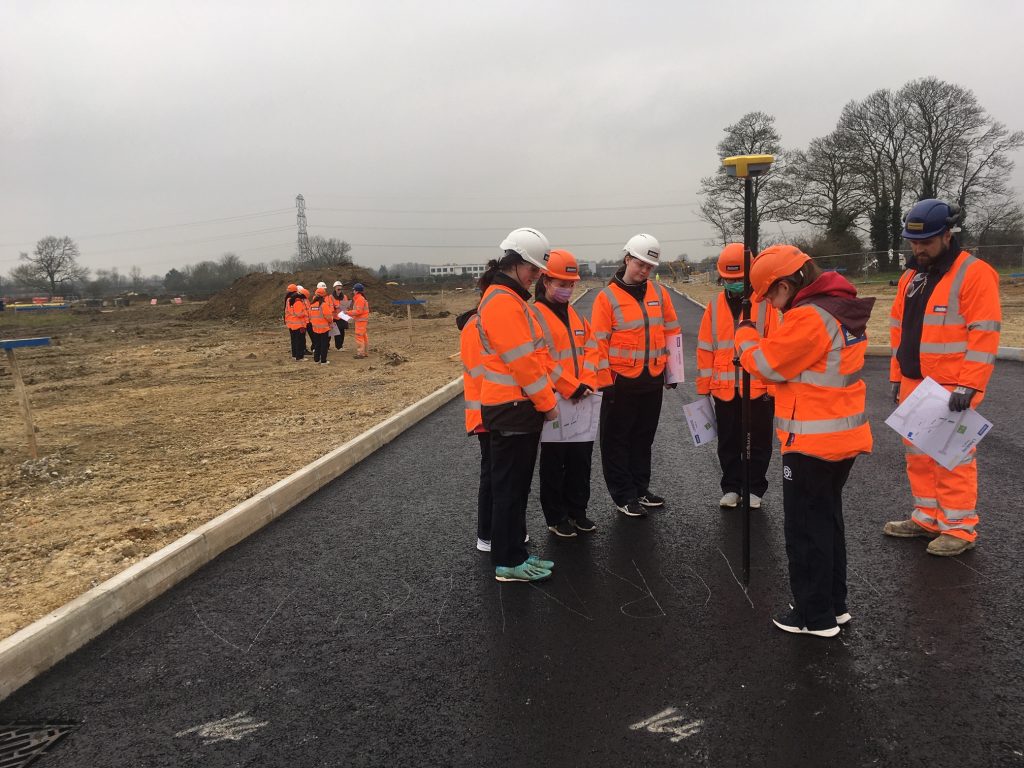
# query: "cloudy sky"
159 134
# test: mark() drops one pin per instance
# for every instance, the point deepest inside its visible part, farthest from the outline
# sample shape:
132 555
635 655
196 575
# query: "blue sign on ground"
410 301
42 341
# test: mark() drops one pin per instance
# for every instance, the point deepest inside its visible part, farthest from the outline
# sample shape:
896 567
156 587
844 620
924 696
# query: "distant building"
452 270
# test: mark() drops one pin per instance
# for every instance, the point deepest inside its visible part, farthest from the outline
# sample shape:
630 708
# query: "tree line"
848 190
53 268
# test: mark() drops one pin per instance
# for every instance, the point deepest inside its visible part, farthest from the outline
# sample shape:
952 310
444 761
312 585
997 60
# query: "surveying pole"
746 167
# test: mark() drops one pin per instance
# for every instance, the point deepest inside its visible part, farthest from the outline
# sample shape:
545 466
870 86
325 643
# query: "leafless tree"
52 265
327 252
829 192
753 134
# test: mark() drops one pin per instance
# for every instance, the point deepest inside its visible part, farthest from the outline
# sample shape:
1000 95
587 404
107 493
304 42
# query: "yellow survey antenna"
743 166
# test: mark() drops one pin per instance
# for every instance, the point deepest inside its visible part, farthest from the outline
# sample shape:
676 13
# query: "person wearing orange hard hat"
571 358
297 318
290 293
718 378
360 314
320 324
814 359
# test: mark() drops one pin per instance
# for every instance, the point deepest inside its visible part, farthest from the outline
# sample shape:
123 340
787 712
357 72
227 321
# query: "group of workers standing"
322 316
520 359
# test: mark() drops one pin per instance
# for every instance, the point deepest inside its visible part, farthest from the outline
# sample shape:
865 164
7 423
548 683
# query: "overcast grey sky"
154 116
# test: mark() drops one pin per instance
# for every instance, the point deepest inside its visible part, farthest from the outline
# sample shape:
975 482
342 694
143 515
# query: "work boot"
947 545
906 529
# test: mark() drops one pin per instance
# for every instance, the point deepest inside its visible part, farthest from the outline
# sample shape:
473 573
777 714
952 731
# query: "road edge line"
36 648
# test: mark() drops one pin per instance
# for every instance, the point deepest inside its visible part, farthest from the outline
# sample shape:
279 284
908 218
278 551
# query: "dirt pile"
259 297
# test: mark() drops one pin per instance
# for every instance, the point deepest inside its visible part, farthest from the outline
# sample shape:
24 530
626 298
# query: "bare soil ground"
152 422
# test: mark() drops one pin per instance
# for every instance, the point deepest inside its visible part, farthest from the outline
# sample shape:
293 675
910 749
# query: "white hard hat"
643 247
528 243
321 284
338 284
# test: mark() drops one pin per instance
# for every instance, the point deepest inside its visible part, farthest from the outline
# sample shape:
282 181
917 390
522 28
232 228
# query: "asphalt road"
363 628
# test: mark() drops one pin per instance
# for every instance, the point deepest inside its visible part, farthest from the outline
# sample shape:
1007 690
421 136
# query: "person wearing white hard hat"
340 303
516 398
634 322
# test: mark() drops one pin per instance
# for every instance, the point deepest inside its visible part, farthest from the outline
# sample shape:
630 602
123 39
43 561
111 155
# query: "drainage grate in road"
21 744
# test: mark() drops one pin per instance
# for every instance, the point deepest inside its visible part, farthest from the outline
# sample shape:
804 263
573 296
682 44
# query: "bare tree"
327 252
878 134
753 134
53 264
829 193
962 153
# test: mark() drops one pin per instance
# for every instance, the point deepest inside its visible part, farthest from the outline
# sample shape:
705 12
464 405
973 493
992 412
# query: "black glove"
581 390
960 399
670 386
895 392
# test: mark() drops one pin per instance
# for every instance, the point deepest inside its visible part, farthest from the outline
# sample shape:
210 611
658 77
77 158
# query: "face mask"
561 295
733 287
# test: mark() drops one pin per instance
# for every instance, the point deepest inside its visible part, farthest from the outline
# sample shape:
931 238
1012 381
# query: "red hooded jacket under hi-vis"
815 358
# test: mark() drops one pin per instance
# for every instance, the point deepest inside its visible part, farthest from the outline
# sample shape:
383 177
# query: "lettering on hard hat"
732 268
653 254
570 269
940 309
915 226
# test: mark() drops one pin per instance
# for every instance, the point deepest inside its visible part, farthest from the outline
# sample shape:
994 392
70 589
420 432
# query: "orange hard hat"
292 287
304 291
730 261
321 291
561 265
772 264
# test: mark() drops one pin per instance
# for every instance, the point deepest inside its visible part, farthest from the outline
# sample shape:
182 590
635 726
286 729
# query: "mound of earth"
260 296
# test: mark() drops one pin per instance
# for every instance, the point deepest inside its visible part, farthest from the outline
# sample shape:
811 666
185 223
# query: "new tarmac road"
363 628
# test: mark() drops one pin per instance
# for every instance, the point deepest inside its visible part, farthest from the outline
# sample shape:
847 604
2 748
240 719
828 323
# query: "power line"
617 244
507 211
503 229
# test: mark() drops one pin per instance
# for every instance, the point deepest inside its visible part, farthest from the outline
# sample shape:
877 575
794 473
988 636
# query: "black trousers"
629 422
729 417
565 480
484 498
298 343
321 343
339 340
812 495
513 457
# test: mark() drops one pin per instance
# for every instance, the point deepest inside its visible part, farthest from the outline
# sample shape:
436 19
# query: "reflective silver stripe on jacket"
973 356
952 315
821 426
764 369
472 405
475 371
985 325
620 319
537 385
830 377
944 349
506 379
510 356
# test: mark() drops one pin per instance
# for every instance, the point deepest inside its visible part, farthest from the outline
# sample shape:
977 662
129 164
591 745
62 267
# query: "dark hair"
484 281
509 260
804 276
540 290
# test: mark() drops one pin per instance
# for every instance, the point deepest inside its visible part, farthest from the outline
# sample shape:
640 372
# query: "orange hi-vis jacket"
333 304
296 314
716 374
570 352
472 355
515 368
960 335
819 396
320 316
360 311
632 334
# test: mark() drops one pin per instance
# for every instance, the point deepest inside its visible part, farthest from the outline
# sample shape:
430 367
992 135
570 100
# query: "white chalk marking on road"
501 602
549 596
233 728
861 576
667 721
257 637
695 575
744 589
649 594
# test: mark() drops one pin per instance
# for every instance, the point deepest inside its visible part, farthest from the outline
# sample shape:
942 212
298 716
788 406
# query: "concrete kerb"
879 350
34 649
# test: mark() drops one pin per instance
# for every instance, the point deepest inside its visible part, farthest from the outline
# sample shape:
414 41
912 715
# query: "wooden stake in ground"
9 345
408 311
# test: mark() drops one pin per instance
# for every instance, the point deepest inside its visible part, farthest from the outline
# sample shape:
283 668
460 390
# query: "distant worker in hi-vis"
718 378
945 325
360 314
633 321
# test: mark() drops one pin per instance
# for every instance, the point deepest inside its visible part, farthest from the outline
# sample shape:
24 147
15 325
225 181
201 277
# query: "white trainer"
483 546
730 500
755 501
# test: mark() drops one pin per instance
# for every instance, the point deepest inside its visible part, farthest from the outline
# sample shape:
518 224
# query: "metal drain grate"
21 744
